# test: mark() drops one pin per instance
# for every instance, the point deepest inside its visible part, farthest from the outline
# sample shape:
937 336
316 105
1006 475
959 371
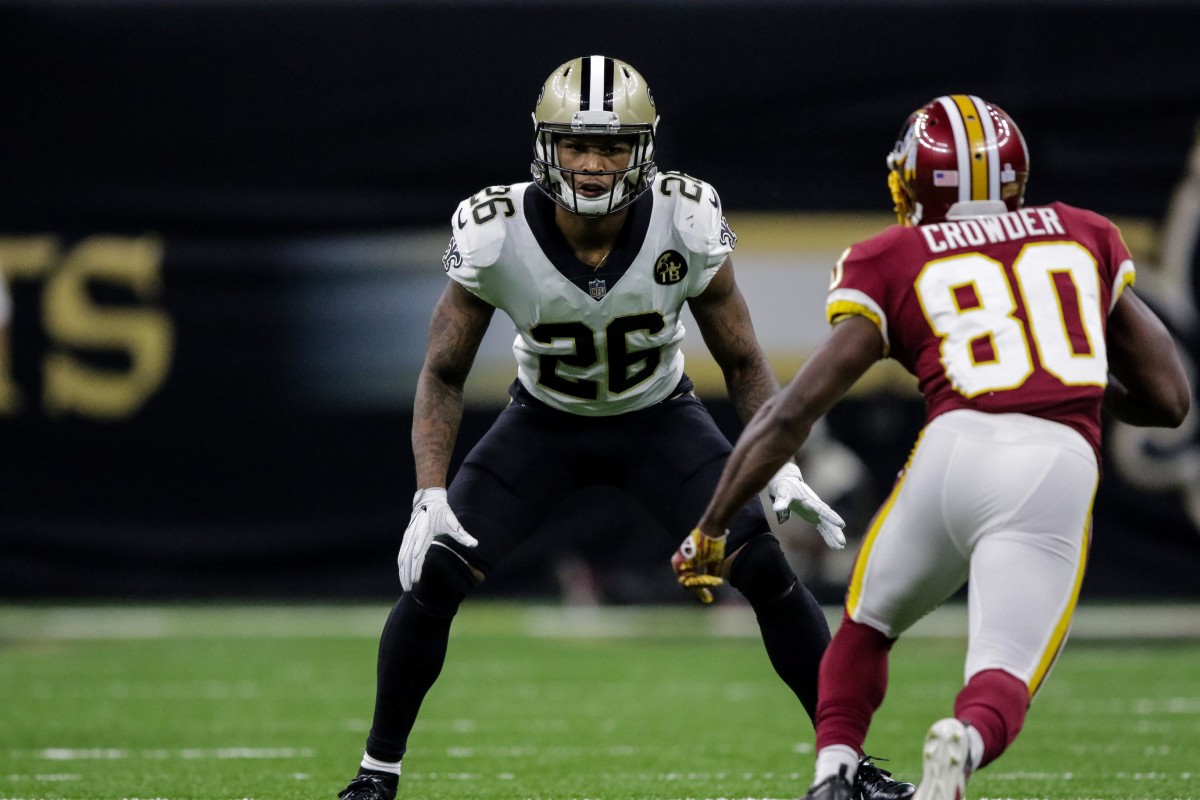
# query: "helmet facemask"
594 96
901 164
562 183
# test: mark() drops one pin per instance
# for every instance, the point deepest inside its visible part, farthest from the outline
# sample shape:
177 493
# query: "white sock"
380 766
831 759
974 748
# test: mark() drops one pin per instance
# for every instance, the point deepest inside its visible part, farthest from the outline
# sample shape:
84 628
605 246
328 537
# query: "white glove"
790 493
431 517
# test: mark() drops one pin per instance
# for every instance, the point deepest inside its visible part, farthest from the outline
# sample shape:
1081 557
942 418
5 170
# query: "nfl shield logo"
597 288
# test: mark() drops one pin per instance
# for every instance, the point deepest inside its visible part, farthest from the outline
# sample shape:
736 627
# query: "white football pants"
1002 502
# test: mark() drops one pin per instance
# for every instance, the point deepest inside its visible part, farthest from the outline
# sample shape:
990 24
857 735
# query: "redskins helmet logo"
671 267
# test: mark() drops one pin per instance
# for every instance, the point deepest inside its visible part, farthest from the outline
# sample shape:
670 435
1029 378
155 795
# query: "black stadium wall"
221 223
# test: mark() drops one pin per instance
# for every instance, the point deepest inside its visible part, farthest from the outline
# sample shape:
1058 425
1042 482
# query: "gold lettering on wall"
76 325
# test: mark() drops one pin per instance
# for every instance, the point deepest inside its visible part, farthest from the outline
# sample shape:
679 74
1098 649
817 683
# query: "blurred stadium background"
221 223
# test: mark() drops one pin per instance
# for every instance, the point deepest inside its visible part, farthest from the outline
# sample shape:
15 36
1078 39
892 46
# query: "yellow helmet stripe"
976 144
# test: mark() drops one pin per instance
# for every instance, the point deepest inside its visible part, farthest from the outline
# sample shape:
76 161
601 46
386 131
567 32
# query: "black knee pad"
761 572
446 580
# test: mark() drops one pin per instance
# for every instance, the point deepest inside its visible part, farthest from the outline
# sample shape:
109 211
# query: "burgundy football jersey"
1000 313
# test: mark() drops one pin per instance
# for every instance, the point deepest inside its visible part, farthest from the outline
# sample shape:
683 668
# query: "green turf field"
274 703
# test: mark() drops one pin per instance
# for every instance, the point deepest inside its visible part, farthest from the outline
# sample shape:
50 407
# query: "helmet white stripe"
596 89
961 147
993 147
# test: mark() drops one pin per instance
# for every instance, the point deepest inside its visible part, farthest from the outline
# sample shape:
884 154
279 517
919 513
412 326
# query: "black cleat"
835 787
873 783
368 787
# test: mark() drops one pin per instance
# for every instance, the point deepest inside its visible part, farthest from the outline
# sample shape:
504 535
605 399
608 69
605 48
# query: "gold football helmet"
594 95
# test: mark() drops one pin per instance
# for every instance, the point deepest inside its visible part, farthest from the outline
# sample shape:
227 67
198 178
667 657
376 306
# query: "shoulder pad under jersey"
696 213
480 223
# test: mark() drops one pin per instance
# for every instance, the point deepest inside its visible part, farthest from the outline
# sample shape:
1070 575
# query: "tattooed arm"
724 322
459 322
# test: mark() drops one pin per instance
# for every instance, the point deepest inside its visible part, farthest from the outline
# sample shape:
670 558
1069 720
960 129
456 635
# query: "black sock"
412 650
795 634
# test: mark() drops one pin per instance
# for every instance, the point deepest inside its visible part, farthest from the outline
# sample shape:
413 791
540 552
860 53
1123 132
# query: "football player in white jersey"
593 262
1020 325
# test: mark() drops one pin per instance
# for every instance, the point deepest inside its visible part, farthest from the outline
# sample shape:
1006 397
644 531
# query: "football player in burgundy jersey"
593 263
1020 325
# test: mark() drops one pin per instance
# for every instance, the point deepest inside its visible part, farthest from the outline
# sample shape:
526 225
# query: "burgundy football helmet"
953 149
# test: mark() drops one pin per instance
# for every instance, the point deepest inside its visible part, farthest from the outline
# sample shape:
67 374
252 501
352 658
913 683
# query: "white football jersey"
594 342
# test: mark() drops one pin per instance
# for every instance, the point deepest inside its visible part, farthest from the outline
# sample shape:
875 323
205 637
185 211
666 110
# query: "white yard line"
160 754
33 623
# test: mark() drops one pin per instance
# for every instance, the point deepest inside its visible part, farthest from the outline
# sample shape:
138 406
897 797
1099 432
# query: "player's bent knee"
446 580
760 571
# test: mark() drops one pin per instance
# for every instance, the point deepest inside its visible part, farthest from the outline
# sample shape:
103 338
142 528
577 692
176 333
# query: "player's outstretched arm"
783 423
1147 385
